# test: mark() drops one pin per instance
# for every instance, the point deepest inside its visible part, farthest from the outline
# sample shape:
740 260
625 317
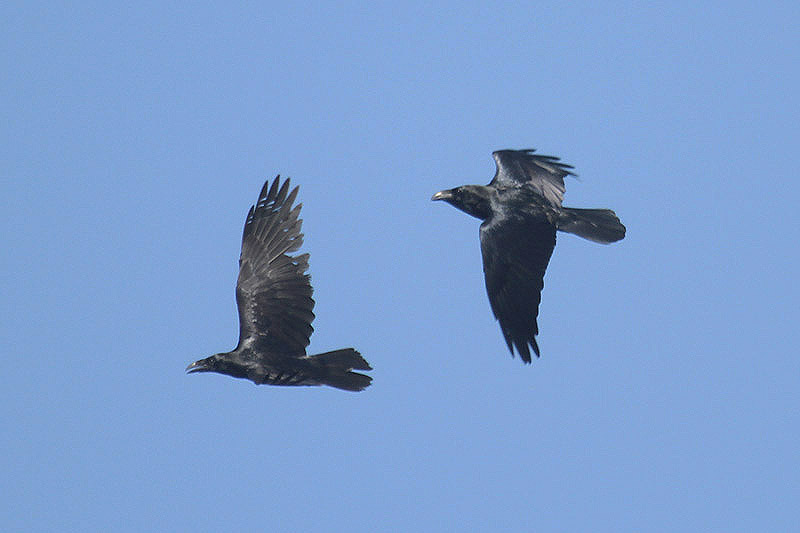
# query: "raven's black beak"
197 366
442 195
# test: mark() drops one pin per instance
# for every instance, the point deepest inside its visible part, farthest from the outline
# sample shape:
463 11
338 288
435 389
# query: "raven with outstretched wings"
521 211
273 294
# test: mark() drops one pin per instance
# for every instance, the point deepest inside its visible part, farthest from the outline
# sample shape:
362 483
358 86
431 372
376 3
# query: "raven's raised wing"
273 292
516 250
545 173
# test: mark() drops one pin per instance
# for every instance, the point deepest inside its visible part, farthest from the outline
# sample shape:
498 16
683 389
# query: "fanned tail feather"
339 364
598 225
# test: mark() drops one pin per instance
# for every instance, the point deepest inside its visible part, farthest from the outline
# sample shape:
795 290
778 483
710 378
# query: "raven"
273 294
521 211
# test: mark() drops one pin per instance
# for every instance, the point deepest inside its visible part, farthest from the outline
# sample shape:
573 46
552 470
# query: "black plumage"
273 294
521 211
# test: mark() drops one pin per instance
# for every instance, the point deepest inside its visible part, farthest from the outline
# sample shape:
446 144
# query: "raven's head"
209 364
472 199
222 363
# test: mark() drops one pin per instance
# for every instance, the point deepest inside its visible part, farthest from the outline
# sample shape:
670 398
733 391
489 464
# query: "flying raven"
273 294
521 211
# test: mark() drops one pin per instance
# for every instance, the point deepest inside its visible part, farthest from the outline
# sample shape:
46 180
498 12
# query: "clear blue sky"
134 140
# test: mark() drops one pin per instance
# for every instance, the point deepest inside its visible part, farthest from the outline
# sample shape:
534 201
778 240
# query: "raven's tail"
598 225
338 365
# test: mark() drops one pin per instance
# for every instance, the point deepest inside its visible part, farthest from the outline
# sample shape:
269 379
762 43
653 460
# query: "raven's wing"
545 173
516 250
273 292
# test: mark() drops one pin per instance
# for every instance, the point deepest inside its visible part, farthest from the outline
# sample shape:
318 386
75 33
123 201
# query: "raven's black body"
521 211
273 294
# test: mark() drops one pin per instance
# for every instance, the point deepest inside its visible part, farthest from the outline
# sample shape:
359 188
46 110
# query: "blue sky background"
134 140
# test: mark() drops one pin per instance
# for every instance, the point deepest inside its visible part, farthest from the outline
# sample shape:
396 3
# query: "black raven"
521 211
273 294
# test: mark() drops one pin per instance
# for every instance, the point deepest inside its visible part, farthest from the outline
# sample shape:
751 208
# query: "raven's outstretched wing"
273 292
545 173
516 250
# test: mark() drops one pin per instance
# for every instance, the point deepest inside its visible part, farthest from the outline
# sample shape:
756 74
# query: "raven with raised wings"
521 211
273 294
